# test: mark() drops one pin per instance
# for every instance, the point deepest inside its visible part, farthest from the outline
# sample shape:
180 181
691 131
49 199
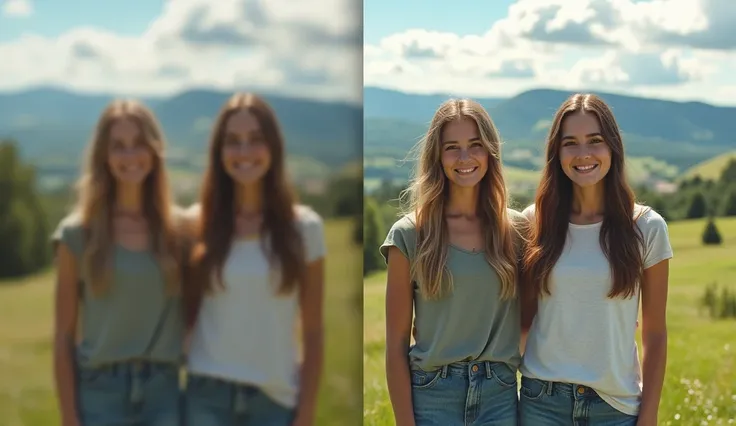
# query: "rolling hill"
382 103
51 122
52 126
661 137
710 169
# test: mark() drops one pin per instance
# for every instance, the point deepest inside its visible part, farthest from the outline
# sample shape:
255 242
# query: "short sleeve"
402 235
70 232
521 225
313 231
656 238
529 212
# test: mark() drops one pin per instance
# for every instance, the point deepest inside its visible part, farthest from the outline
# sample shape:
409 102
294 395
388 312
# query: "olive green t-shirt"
135 319
470 324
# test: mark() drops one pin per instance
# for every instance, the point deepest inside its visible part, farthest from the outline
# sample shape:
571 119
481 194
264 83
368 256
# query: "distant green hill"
382 103
671 135
52 126
710 169
53 123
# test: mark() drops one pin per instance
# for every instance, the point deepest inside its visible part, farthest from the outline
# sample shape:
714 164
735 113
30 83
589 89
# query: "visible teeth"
244 165
585 168
470 170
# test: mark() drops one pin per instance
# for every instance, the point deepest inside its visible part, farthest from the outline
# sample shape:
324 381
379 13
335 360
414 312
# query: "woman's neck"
462 202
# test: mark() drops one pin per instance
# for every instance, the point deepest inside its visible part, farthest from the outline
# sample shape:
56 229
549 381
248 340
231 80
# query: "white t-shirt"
581 336
246 333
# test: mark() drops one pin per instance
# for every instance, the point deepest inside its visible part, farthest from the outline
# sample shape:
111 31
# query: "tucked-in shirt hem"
285 395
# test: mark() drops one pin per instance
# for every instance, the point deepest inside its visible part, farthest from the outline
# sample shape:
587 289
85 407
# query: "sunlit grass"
700 386
27 396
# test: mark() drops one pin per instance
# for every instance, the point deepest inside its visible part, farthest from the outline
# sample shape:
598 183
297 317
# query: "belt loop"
136 385
489 369
444 371
549 384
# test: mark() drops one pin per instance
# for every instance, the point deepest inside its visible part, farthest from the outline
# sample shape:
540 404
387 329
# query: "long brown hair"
428 197
97 191
215 227
620 238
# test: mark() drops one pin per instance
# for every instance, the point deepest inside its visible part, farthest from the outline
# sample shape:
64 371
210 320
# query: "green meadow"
700 385
27 395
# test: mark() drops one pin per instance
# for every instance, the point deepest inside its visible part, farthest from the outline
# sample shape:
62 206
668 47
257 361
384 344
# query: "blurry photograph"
180 213
549 193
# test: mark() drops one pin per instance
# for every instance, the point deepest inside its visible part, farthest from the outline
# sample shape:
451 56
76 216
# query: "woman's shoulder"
647 217
70 231
306 215
188 212
405 223
529 211
516 216
72 222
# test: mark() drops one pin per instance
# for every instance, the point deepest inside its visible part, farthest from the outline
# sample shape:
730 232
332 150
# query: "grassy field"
700 386
27 396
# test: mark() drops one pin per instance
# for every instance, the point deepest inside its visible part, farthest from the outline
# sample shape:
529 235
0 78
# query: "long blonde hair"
427 194
96 190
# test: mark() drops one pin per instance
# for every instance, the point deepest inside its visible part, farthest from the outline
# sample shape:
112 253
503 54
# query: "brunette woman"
594 256
257 273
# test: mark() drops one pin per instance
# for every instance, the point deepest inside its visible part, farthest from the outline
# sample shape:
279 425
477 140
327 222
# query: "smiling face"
585 157
464 156
245 152
130 158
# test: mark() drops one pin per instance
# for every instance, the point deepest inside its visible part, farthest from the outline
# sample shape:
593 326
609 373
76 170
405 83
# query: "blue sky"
160 47
51 18
670 49
384 17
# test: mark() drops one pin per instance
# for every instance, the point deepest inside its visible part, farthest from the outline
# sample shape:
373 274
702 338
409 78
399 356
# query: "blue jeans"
544 403
215 402
131 394
464 394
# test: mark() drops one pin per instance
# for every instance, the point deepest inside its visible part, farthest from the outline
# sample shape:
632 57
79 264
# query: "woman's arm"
399 304
65 324
313 340
654 340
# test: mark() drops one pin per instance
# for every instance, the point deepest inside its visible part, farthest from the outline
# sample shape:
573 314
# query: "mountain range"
680 133
50 122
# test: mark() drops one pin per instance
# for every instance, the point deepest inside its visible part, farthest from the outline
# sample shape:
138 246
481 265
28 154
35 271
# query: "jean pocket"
532 388
421 379
503 374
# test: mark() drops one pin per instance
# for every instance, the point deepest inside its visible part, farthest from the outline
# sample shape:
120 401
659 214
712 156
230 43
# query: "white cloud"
17 8
679 49
260 44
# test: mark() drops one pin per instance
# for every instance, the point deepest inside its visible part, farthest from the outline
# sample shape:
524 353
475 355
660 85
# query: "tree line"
695 198
28 215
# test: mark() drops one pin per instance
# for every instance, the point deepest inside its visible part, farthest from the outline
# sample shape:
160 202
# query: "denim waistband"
568 389
470 368
130 366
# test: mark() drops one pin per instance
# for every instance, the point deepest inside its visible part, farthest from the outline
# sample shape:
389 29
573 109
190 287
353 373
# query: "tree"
345 193
24 230
698 207
373 229
729 205
711 236
728 175
657 204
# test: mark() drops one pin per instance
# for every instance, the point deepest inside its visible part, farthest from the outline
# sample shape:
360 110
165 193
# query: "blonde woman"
257 272
118 282
453 259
